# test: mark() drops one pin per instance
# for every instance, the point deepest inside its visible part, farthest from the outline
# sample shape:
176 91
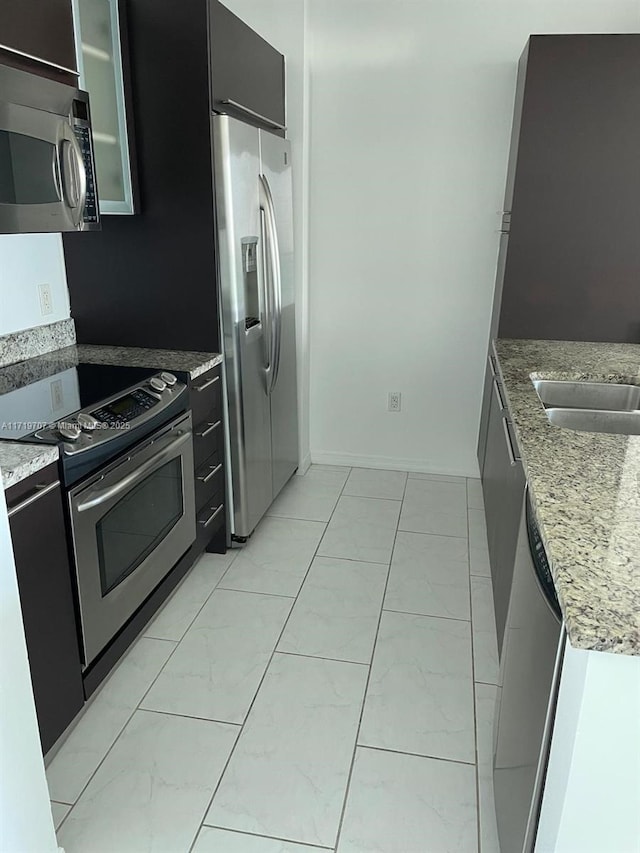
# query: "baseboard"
304 465
388 463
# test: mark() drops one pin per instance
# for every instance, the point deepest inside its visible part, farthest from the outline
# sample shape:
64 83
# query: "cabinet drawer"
209 479
207 439
206 397
210 519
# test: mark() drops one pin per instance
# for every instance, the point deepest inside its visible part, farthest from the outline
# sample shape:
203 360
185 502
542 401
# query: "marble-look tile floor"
330 686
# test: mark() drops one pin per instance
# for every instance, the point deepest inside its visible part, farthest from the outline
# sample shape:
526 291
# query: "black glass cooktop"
36 404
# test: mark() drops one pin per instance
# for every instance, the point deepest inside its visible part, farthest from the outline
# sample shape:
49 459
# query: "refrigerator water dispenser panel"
250 275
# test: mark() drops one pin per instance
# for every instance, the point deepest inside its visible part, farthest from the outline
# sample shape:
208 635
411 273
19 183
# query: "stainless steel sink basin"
592 420
608 396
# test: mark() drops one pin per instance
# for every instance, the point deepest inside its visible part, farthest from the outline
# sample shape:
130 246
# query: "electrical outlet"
46 299
57 395
395 400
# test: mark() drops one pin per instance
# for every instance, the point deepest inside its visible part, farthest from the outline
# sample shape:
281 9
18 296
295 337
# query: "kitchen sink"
608 396
591 406
596 420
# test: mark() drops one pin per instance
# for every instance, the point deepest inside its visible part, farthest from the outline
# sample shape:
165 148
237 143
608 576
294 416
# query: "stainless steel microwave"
47 168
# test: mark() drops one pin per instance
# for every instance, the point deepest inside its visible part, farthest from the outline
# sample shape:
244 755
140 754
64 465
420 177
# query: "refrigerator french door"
256 290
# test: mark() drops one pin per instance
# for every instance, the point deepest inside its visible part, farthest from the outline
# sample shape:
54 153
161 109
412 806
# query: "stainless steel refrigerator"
253 192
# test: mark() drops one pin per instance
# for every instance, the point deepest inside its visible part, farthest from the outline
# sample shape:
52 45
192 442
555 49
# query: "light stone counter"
585 490
18 461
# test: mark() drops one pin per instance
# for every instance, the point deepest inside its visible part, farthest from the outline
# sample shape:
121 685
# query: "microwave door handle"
75 176
99 496
56 168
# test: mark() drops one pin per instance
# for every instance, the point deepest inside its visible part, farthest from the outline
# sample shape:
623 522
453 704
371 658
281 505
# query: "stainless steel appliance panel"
47 168
532 659
131 523
245 314
276 172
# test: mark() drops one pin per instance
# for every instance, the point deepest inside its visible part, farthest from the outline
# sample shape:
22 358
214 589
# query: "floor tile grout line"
264 674
426 615
254 592
268 837
137 707
190 717
200 609
320 657
366 687
416 754
165 603
124 726
371 497
351 559
425 533
473 680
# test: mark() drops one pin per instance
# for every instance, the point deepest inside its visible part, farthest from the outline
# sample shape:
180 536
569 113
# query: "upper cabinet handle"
241 108
38 59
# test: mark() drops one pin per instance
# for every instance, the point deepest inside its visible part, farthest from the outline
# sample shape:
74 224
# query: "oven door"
131 524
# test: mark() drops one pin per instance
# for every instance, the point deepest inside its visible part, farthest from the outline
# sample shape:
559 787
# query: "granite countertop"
18 461
585 490
32 369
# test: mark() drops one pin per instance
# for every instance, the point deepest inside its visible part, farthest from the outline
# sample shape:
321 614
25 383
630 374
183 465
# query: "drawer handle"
207 384
211 517
209 428
40 492
513 459
496 388
212 473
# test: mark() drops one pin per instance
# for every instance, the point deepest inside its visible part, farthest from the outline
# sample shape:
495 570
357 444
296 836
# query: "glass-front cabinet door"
98 26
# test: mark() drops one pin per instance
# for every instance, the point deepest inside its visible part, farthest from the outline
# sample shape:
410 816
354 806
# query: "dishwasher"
533 649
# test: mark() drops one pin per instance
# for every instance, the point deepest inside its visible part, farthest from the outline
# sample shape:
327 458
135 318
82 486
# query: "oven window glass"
27 170
133 528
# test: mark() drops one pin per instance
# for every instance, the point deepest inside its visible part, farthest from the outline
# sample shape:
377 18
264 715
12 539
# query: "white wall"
26 825
410 117
27 260
282 23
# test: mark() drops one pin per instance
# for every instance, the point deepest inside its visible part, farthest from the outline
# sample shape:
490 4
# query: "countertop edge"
592 549
19 461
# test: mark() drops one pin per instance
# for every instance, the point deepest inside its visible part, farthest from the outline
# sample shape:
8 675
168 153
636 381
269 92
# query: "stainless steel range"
126 459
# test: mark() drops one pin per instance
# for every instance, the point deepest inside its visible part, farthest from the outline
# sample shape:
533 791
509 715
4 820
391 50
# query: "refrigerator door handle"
276 282
266 302
272 279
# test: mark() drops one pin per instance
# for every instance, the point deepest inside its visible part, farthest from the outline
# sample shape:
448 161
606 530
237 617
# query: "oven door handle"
100 496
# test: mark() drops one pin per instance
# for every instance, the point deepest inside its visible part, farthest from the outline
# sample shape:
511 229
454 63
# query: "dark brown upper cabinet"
37 36
247 73
572 262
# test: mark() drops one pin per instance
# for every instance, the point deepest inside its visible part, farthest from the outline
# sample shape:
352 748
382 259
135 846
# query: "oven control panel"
122 413
127 408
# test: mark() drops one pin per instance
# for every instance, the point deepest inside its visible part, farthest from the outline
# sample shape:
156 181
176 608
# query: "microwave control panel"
83 135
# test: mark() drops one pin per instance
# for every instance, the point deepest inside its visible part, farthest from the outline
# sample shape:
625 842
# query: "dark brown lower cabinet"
208 454
43 570
503 485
